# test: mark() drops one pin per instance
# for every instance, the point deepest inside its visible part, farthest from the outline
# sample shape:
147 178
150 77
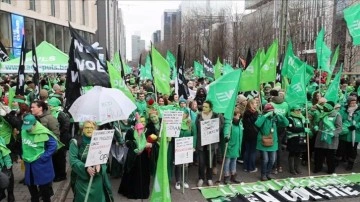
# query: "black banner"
208 67
21 71
3 53
183 90
278 70
248 58
36 78
92 71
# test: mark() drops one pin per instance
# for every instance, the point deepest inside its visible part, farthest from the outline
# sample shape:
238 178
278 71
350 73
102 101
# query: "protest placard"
210 132
183 150
99 147
173 120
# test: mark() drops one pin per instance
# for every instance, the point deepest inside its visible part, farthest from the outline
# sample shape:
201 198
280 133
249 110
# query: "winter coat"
50 122
100 190
280 106
295 133
141 107
234 144
197 131
41 169
5 160
337 120
250 130
265 124
346 134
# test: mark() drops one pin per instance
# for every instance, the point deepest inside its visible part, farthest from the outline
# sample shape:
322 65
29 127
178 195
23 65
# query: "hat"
267 85
295 107
241 98
56 87
337 106
182 100
54 102
351 98
46 87
29 121
44 93
150 101
268 107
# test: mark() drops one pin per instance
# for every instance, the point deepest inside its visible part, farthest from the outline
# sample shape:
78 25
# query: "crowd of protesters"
36 132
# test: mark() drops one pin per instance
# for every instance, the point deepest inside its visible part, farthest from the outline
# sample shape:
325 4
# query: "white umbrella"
102 105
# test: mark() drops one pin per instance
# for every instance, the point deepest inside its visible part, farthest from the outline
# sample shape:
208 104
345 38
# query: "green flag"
223 92
161 189
171 59
127 69
11 96
262 57
332 93
117 82
292 64
218 69
227 69
323 52
352 18
161 69
199 69
250 78
334 59
296 91
268 69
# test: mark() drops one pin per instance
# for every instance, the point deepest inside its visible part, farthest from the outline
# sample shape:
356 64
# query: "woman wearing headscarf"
327 138
135 183
296 138
100 189
350 136
203 151
267 139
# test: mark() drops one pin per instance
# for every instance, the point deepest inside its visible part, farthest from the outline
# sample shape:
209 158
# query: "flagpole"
307 126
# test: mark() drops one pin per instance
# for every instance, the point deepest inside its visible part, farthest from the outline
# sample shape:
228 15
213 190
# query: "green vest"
33 144
5 130
298 124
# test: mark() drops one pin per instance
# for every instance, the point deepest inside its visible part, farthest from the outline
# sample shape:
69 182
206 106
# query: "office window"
52 7
32 5
69 10
83 12
6 1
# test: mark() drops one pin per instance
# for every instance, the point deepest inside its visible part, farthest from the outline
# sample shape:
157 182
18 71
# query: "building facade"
137 45
46 21
156 38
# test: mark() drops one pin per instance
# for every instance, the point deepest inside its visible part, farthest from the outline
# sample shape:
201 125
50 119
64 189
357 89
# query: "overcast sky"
144 18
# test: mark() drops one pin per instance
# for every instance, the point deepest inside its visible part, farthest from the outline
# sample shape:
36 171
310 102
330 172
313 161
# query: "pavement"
63 193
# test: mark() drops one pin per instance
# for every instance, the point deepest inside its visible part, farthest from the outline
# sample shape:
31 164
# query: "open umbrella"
102 105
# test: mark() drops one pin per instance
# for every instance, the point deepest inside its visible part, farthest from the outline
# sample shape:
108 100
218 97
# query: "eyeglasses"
89 128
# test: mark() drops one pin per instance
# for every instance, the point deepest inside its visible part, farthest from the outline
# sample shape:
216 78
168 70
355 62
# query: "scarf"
351 111
206 116
140 141
300 116
184 124
328 127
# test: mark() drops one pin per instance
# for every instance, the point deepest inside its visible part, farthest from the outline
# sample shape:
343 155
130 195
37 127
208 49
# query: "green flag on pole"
323 52
296 91
223 92
332 93
227 69
334 59
218 69
161 69
161 189
170 58
352 18
250 78
199 70
262 57
117 82
268 69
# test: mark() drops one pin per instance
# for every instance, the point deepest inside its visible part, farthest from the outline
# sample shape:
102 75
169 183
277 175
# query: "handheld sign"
173 122
183 150
99 147
210 132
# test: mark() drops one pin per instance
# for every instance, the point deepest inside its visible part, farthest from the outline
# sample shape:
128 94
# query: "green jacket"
100 190
141 107
5 130
281 108
234 144
5 160
346 134
265 124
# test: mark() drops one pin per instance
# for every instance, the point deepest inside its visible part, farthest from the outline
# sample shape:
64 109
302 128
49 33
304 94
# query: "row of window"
32 6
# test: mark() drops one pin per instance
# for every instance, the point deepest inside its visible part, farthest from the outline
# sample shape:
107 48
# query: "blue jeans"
250 155
230 166
268 160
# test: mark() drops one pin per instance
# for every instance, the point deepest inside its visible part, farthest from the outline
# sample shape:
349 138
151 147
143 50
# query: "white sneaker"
210 183
186 185
254 171
177 185
200 183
